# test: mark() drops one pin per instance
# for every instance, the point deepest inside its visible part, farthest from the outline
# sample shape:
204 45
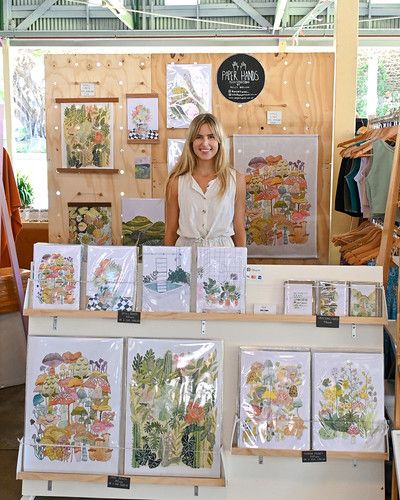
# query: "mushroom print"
72 409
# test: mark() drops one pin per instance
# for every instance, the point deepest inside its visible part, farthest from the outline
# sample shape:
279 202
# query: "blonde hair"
188 160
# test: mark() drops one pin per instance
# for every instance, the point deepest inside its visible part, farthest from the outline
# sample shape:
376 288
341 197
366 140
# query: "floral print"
90 225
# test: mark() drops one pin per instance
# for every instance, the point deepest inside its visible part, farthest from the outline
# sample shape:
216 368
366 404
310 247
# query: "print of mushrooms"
52 360
64 398
81 412
99 426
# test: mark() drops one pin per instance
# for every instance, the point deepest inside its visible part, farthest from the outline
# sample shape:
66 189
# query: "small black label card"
128 317
309 456
121 482
327 321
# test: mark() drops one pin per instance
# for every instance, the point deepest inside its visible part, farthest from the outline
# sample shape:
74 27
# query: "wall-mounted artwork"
142 112
90 223
87 134
332 298
56 275
143 222
275 394
365 299
166 279
73 404
281 195
142 167
348 401
188 93
221 279
111 278
173 420
175 148
299 297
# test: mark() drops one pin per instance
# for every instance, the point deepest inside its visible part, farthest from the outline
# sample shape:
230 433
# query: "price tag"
128 317
274 117
88 89
123 483
309 456
327 321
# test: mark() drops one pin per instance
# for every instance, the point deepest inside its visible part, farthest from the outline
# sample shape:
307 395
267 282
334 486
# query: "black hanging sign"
240 78
128 317
309 456
121 482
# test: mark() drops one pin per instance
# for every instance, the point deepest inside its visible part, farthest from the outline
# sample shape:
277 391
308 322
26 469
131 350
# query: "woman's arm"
171 212
239 217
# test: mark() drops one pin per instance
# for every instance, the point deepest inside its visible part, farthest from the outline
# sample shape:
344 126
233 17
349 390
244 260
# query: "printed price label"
88 89
309 456
123 483
274 117
128 317
327 321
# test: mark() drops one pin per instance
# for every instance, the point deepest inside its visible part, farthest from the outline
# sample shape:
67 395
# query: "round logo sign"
240 78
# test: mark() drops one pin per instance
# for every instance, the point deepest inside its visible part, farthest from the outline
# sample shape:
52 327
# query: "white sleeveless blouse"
205 219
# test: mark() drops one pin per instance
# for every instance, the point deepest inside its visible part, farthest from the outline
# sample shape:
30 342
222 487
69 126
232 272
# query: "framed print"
142 112
275 399
87 135
73 405
332 298
166 279
221 279
142 167
56 276
143 222
281 193
174 407
188 93
299 297
90 223
365 299
111 278
175 148
348 401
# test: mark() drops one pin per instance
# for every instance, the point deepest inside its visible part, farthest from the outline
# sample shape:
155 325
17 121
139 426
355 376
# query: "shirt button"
203 225
204 211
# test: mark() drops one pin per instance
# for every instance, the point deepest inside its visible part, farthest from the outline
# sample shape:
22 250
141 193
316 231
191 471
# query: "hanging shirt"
378 179
205 219
342 198
365 168
355 205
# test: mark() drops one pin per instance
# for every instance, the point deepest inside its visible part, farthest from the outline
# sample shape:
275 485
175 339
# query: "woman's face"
205 144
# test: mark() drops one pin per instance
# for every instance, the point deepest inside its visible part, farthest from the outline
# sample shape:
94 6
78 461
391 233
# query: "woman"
205 197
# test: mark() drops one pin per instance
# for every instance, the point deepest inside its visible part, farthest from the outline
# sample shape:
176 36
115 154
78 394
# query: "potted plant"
25 193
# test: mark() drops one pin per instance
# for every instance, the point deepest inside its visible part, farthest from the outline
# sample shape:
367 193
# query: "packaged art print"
56 276
142 118
274 399
90 223
332 298
281 193
365 299
173 421
87 134
348 402
73 399
166 279
188 93
299 297
111 278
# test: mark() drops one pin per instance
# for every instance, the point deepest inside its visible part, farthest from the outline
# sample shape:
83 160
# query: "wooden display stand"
279 474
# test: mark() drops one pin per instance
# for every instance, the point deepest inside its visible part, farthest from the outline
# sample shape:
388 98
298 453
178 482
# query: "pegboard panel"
299 85
114 76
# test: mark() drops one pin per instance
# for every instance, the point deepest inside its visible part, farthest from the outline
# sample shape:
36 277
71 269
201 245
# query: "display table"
246 473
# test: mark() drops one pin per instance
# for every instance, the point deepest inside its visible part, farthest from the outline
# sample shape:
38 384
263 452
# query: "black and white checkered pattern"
94 304
151 134
123 304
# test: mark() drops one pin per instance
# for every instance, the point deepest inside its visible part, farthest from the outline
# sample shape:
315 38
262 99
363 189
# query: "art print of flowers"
90 224
364 299
73 404
274 402
87 135
332 298
348 401
280 176
174 414
142 112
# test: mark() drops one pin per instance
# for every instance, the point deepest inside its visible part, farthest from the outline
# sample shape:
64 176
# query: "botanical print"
142 118
332 298
166 279
188 93
281 195
175 148
365 299
174 407
73 398
87 135
299 297
142 167
221 279
274 399
348 402
57 271
143 222
90 224
111 278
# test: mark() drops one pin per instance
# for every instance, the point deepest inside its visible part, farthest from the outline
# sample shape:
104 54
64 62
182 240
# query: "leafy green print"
224 293
348 404
173 409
